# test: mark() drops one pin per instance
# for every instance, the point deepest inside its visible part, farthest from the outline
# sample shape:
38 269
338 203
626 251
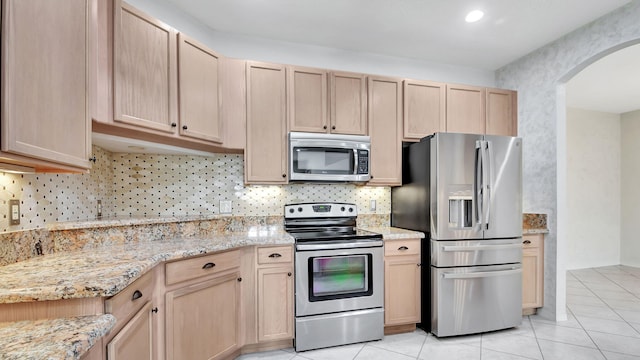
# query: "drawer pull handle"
136 295
208 265
154 310
288 274
526 242
403 248
275 255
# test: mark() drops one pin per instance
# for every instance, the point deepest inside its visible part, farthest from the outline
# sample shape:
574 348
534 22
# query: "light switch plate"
14 212
225 206
372 205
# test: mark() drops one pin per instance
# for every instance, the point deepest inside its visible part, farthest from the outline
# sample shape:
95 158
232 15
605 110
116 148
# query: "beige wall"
593 188
630 245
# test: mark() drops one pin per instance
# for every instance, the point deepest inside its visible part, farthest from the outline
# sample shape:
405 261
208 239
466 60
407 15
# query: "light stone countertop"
54 339
103 272
393 233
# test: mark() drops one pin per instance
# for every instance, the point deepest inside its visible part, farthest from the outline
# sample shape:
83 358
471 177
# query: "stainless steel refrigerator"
465 191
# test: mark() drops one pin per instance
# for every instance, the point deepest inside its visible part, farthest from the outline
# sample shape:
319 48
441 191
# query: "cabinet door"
385 114
266 154
401 290
145 70
275 303
45 84
307 99
134 341
202 319
348 104
199 91
424 109
465 109
502 113
532 272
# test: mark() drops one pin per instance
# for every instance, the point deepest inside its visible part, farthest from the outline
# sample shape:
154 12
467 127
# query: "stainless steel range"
339 277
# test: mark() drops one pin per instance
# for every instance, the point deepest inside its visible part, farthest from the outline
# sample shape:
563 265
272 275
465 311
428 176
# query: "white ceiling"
430 30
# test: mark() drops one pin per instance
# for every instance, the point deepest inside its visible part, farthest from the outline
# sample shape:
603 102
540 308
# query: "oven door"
336 280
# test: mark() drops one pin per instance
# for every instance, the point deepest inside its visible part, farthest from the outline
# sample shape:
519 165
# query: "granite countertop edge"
64 338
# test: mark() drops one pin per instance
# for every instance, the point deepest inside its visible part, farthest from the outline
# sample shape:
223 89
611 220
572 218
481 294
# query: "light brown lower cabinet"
202 313
402 269
275 293
135 340
532 273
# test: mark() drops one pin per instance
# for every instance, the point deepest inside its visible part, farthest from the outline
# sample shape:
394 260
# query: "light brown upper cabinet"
385 124
45 113
424 109
145 70
465 109
502 112
167 87
266 150
199 91
307 100
348 103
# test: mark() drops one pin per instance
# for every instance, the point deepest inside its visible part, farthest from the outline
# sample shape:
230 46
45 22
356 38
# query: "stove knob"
350 209
299 209
291 210
342 209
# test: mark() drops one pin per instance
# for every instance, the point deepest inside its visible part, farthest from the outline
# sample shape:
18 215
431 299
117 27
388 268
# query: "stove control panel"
315 210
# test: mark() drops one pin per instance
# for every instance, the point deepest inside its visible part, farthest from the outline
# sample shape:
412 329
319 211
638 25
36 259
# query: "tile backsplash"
163 185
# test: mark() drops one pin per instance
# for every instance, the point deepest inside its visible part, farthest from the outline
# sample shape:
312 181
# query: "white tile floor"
604 323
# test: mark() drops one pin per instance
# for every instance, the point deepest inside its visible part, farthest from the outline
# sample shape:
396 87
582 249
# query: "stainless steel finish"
340 244
486 169
504 213
339 276
476 252
305 211
469 300
304 307
315 332
329 141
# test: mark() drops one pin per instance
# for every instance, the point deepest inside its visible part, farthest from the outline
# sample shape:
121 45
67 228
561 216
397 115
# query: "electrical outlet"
372 205
14 212
99 208
225 206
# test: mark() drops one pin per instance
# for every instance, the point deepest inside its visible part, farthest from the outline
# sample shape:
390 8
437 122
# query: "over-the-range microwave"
328 157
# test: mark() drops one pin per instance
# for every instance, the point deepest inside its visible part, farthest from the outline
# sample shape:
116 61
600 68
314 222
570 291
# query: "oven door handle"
481 274
481 247
338 246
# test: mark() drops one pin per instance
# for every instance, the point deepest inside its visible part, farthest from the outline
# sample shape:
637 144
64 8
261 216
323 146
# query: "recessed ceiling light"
474 16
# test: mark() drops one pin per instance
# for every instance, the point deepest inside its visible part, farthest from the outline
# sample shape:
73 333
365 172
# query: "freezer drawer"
475 252
475 299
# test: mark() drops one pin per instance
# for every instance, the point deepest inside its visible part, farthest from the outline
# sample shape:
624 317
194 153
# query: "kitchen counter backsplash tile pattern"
154 185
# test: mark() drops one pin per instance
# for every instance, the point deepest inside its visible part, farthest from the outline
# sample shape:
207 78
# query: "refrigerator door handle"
488 182
480 247
477 184
481 274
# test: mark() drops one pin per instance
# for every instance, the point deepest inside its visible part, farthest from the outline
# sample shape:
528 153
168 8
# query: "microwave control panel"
363 161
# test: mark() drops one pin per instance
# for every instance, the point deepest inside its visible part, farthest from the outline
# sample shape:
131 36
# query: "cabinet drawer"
531 241
402 247
275 255
128 301
183 270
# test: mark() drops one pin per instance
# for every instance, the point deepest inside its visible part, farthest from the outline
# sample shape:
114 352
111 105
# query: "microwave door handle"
355 161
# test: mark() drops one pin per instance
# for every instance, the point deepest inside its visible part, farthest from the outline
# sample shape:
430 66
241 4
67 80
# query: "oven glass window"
338 277
310 160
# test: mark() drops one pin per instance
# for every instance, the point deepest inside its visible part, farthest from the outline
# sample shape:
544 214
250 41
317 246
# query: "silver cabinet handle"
481 274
